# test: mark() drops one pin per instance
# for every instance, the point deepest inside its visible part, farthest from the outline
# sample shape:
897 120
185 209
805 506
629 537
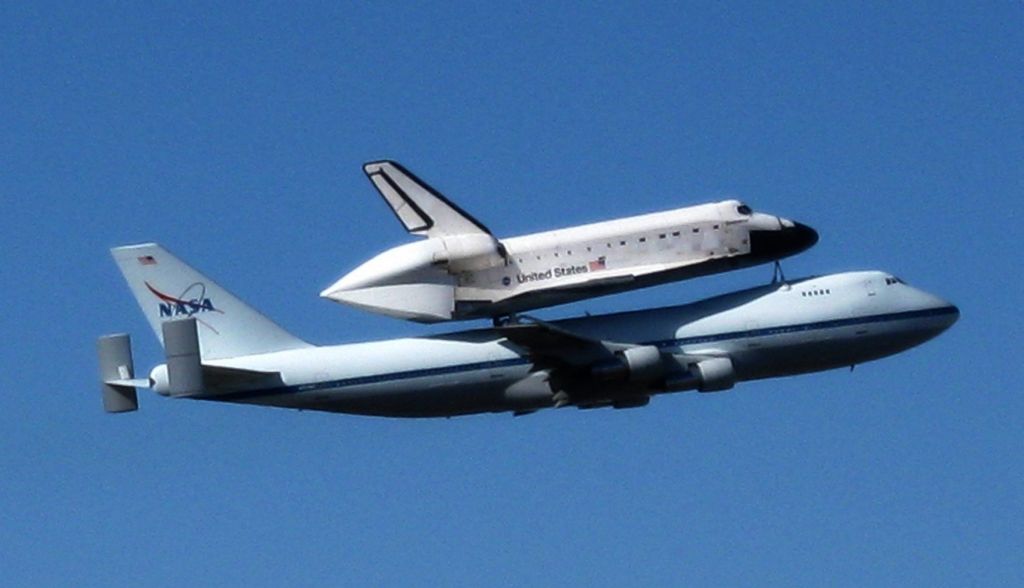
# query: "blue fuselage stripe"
515 361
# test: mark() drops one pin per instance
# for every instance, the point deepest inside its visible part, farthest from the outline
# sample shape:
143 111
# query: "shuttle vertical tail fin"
166 289
421 209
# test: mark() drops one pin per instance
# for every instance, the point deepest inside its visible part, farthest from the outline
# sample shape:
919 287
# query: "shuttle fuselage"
462 271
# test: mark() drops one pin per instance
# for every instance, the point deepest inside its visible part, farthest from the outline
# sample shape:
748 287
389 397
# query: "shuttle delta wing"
421 209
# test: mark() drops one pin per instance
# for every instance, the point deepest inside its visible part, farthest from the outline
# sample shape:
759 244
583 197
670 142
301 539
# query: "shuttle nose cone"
791 238
802 237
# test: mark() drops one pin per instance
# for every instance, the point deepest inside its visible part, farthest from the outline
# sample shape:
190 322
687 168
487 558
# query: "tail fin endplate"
117 373
167 289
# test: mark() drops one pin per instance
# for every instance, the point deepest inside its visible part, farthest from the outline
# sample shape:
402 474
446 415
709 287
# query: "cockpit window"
744 209
890 280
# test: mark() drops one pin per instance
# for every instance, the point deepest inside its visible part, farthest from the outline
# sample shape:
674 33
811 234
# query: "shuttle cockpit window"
744 209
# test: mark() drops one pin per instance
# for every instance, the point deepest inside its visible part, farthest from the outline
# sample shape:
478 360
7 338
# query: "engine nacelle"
709 375
637 364
715 374
471 252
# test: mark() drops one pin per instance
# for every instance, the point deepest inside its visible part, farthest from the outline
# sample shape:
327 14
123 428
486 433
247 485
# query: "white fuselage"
468 276
776 330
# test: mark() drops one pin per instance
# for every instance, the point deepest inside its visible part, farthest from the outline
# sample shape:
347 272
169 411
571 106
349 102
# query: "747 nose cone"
783 242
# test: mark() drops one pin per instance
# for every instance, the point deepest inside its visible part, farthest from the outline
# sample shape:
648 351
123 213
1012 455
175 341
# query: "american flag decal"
597 264
147 260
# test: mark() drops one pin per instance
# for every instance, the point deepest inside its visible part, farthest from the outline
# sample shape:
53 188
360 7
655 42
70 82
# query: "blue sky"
235 135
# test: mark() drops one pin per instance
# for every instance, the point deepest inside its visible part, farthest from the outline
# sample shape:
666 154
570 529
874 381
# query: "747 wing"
590 373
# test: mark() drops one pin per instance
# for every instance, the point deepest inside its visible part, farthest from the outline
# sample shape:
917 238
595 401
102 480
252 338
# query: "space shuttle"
460 270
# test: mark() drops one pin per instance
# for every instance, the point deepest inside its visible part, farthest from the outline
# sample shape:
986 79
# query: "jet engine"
715 374
641 364
708 375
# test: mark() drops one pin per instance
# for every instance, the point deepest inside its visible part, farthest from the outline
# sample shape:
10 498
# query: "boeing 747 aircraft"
462 271
218 348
